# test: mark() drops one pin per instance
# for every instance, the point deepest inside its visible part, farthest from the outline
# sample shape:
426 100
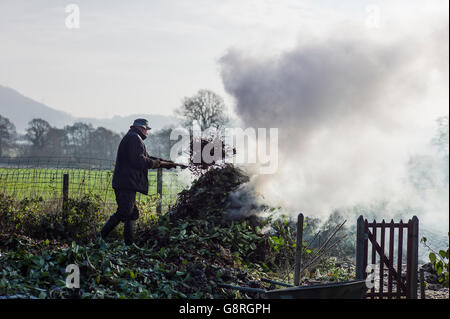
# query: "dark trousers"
126 205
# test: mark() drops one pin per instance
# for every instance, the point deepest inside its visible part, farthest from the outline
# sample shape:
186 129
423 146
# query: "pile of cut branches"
208 195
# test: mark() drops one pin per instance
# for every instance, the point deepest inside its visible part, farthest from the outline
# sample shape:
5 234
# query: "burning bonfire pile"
209 194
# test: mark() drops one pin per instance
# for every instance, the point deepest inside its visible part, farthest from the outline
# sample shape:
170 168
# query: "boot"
128 232
109 226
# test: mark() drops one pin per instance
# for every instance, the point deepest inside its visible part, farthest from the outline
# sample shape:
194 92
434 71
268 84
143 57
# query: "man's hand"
156 163
168 165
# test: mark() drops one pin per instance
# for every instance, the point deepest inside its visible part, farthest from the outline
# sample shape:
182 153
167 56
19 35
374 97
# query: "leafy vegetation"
185 253
439 261
80 220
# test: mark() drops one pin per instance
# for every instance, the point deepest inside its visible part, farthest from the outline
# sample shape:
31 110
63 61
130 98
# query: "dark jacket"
132 164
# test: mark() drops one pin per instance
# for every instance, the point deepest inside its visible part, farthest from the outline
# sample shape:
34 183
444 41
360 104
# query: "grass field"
48 183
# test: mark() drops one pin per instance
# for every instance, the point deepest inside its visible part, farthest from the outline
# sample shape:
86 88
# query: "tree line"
82 140
79 140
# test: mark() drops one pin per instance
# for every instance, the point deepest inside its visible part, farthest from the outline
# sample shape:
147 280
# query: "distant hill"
20 110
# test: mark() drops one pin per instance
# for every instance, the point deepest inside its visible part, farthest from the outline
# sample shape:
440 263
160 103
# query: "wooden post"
382 238
422 284
360 248
413 273
159 190
400 258
65 197
65 190
298 249
391 257
374 252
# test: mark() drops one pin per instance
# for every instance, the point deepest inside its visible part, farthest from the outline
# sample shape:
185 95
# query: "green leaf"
432 257
45 274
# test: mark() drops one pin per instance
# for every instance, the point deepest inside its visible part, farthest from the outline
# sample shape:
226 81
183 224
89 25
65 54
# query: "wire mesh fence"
31 177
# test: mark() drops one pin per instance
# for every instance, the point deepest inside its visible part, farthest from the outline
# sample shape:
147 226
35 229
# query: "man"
131 176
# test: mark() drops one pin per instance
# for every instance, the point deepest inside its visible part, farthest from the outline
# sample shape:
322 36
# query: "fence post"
65 190
159 190
360 233
414 258
65 197
422 284
298 249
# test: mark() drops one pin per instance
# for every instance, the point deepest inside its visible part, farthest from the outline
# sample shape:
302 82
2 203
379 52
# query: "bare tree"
206 107
7 134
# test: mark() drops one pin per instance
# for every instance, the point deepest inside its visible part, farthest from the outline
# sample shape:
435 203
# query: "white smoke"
351 113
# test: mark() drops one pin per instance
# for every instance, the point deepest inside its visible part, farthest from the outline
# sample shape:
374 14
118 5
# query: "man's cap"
142 123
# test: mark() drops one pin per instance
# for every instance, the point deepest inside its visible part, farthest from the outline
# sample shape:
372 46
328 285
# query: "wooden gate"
386 269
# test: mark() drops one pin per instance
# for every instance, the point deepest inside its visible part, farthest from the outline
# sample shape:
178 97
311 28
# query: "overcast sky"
145 56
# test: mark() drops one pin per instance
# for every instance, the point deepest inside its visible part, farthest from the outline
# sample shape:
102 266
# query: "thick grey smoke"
351 113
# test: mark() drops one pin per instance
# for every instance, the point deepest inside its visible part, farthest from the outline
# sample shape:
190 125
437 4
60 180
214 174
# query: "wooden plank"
391 256
382 239
408 259
374 252
298 249
366 248
414 257
360 234
422 284
399 257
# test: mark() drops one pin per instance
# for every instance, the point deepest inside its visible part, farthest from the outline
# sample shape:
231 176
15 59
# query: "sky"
139 56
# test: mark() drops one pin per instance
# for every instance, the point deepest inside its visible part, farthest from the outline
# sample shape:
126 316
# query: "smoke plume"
351 114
